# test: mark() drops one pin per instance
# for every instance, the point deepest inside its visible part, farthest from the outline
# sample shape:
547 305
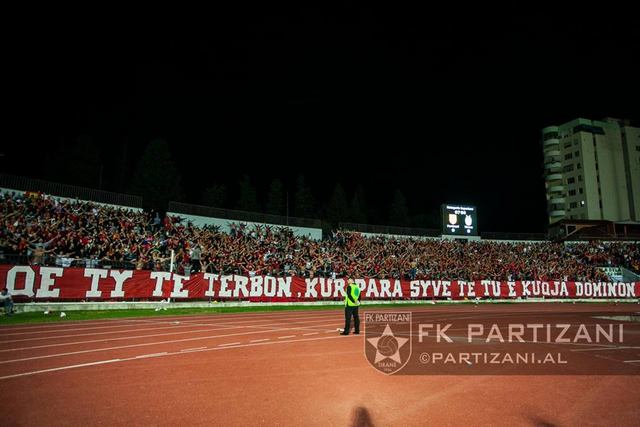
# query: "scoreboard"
459 220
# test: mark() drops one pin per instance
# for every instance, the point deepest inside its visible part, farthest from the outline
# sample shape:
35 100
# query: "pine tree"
399 214
156 178
275 198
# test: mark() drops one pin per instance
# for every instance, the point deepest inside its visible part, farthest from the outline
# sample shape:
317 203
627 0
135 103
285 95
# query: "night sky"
444 108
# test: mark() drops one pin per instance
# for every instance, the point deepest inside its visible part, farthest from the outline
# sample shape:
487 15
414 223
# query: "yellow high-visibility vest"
354 291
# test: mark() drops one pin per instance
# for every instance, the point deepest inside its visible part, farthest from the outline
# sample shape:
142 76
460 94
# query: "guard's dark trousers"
348 313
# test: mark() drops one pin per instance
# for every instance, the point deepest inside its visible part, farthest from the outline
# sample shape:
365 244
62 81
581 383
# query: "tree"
275 198
430 219
156 178
122 167
419 220
79 164
304 202
338 208
358 207
248 199
216 195
399 212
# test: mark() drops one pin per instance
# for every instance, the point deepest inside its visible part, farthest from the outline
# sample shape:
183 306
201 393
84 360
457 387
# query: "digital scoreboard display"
459 220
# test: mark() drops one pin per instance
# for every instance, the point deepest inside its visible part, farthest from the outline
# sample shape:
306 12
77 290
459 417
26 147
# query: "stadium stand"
45 230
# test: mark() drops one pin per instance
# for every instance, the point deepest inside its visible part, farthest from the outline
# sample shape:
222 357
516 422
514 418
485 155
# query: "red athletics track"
289 368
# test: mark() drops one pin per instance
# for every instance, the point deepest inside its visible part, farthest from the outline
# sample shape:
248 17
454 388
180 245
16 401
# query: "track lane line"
94 350
104 362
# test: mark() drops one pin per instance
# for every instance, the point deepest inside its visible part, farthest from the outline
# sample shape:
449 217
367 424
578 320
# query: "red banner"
93 284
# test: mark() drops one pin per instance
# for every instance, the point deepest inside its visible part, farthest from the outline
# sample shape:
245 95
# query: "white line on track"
210 349
608 358
310 333
193 349
229 343
83 325
253 318
144 356
93 350
328 317
418 309
250 317
604 348
102 362
267 327
64 325
108 339
196 338
632 361
99 333
244 316
61 368
210 327
216 320
50 331
262 340
285 337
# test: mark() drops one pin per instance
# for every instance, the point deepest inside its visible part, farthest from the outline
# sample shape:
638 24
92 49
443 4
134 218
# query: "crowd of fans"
43 230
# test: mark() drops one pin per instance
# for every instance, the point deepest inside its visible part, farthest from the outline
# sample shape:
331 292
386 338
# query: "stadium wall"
22 193
34 283
225 225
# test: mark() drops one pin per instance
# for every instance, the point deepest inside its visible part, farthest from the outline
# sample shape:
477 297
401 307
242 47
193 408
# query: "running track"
286 368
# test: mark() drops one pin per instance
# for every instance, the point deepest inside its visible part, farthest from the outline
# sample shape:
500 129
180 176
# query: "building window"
571 180
580 190
579 166
581 202
567 145
572 192
568 156
573 205
568 168
637 147
579 178
588 128
577 154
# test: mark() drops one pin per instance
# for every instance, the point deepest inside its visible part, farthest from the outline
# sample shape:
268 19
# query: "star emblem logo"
387 345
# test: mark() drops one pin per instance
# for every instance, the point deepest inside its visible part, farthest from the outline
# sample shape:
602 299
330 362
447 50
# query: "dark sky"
446 108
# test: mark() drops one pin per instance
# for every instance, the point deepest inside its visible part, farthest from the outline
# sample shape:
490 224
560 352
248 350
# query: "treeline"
156 178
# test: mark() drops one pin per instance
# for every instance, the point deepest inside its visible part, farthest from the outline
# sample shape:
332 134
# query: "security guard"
351 304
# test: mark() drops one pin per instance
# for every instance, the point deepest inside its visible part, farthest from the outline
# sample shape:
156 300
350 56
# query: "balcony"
556 189
556 213
557 200
553 166
552 154
554 177
549 143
